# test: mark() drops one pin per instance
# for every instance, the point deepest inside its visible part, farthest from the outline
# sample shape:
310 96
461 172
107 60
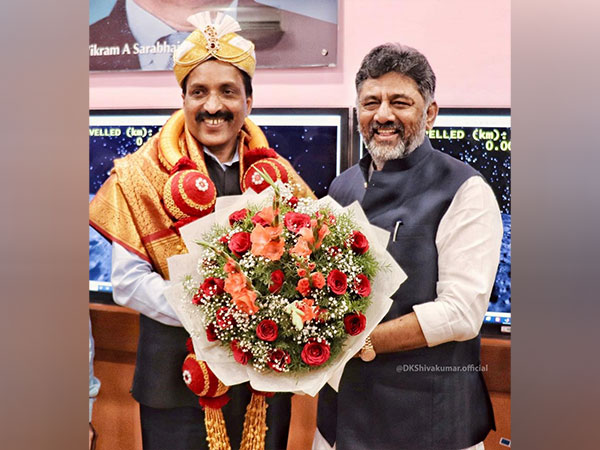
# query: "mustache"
387 126
203 115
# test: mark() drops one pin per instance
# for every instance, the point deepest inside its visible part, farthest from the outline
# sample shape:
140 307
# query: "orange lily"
268 214
309 311
266 242
245 301
235 283
318 280
230 266
301 248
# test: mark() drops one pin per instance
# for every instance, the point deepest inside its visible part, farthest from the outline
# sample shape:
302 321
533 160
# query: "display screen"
481 138
134 35
312 140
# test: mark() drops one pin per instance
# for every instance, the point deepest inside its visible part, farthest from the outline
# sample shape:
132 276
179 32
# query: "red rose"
238 216
337 282
211 334
267 330
318 280
359 242
240 243
355 323
303 286
224 239
239 354
224 319
260 221
277 279
315 353
362 285
278 360
198 299
294 221
293 201
212 286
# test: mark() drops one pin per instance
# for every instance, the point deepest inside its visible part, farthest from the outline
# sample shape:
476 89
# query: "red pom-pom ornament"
200 379
253 179
189 193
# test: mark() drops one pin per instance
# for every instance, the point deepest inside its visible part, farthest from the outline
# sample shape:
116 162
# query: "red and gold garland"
212 396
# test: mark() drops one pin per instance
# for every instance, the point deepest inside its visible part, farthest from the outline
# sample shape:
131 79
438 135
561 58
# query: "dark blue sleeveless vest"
158 381
398 401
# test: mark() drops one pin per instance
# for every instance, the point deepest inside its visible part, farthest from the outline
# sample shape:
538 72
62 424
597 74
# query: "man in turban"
202 151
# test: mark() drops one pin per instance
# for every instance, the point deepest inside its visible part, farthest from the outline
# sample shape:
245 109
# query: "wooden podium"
116 413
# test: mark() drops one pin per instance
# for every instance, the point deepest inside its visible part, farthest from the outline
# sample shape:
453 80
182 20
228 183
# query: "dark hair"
245 77
394 57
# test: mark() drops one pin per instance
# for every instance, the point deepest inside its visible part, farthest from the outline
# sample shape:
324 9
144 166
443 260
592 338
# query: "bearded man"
415 384
203 151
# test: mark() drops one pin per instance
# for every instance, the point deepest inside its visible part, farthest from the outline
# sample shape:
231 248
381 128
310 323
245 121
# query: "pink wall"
467 43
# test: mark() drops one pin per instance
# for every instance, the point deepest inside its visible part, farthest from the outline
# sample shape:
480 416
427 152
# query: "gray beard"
404 147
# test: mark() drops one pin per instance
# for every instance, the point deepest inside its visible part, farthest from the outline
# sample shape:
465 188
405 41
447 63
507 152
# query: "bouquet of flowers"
281 291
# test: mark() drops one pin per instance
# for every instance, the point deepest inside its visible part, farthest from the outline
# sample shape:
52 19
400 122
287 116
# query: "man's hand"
92 437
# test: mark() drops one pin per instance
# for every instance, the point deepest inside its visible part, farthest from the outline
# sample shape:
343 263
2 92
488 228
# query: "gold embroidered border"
163 248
